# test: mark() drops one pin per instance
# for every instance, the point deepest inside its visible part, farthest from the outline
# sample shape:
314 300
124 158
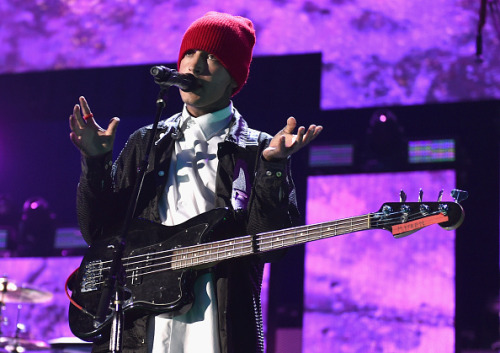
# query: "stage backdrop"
369 292
375 52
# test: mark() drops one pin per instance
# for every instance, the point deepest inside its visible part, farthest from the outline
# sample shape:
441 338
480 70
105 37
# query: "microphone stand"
117 278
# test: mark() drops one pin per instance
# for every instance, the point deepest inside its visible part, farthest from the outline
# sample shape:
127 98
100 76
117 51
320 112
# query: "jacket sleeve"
273 203
104 189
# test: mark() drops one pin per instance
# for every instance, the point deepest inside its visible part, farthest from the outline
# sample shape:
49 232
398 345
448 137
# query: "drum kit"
11 293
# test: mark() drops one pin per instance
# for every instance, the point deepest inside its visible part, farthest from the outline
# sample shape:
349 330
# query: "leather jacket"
261 194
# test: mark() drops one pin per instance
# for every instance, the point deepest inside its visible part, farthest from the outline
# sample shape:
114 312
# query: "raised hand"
285 143
87 135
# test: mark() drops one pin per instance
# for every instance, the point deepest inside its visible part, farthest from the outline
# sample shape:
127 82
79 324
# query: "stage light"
431 151
385 145
36 229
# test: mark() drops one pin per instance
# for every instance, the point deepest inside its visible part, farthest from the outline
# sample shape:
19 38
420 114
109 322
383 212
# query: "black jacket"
262 192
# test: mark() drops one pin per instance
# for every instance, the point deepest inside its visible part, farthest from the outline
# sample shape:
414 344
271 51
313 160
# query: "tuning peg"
402 196
440 195
425 209
459 195
420 195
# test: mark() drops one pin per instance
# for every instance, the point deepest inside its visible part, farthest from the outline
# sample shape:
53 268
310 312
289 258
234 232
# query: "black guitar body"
148 248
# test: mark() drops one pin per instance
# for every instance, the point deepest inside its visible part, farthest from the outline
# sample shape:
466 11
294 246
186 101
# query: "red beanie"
230 38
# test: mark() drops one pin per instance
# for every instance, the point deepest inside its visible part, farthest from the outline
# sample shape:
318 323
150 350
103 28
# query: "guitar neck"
304 234
401 219
208 253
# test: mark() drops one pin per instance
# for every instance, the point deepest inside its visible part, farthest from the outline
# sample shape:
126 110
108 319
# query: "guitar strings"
262 240
337 229
230 243
225 249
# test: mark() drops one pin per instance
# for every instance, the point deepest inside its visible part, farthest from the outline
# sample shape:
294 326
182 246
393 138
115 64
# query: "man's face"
215 83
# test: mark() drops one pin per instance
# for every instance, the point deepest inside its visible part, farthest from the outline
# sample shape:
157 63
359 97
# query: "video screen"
370 292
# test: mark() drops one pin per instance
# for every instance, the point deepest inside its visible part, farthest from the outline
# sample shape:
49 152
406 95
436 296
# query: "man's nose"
198 63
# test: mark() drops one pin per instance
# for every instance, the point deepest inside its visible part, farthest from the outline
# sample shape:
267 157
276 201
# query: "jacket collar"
239 132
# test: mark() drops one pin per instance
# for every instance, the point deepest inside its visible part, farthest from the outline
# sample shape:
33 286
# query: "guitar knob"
425 210
443 208
402 196
387 210
405 213
459 195
440 195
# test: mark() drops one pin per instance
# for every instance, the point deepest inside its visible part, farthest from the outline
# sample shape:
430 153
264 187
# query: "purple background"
369 292
43 321
374 53
390 53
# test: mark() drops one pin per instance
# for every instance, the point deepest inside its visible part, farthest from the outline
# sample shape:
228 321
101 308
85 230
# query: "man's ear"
233 84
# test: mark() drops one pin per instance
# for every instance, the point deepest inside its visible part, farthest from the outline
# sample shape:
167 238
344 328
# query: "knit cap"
230 38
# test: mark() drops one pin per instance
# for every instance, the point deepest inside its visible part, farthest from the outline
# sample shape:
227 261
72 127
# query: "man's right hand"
87 135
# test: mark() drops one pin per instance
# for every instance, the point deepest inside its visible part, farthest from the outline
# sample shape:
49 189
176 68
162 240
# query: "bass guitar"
160 262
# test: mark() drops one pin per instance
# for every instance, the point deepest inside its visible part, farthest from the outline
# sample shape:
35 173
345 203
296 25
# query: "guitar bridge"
92 276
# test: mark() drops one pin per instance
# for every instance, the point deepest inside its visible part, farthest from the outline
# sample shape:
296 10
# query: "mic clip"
166 77
176 129
176 134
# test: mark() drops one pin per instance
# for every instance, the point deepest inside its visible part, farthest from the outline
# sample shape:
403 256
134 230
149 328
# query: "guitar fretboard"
202 254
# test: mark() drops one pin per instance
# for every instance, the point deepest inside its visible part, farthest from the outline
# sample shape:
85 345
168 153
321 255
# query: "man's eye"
212 57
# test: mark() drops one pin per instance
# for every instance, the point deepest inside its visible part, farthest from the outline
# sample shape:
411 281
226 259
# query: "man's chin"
192 96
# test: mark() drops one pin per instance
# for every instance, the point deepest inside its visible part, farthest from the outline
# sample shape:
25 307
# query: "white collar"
211 123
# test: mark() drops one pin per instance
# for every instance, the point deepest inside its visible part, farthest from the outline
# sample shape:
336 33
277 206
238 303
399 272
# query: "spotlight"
385 146
37 229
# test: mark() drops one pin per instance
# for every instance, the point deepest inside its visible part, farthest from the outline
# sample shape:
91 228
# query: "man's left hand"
285 143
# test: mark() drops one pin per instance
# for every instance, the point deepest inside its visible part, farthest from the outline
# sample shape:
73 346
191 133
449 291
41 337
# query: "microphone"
166 77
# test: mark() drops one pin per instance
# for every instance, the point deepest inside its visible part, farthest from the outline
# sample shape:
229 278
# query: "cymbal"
12 293
12 344
68 342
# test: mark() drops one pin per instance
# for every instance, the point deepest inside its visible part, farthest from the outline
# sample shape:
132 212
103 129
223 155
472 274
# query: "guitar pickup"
140 269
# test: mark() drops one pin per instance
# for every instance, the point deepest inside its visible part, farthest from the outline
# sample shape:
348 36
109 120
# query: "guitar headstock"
404 218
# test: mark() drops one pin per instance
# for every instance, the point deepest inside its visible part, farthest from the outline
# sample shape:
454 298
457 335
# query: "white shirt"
190 191
190 188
